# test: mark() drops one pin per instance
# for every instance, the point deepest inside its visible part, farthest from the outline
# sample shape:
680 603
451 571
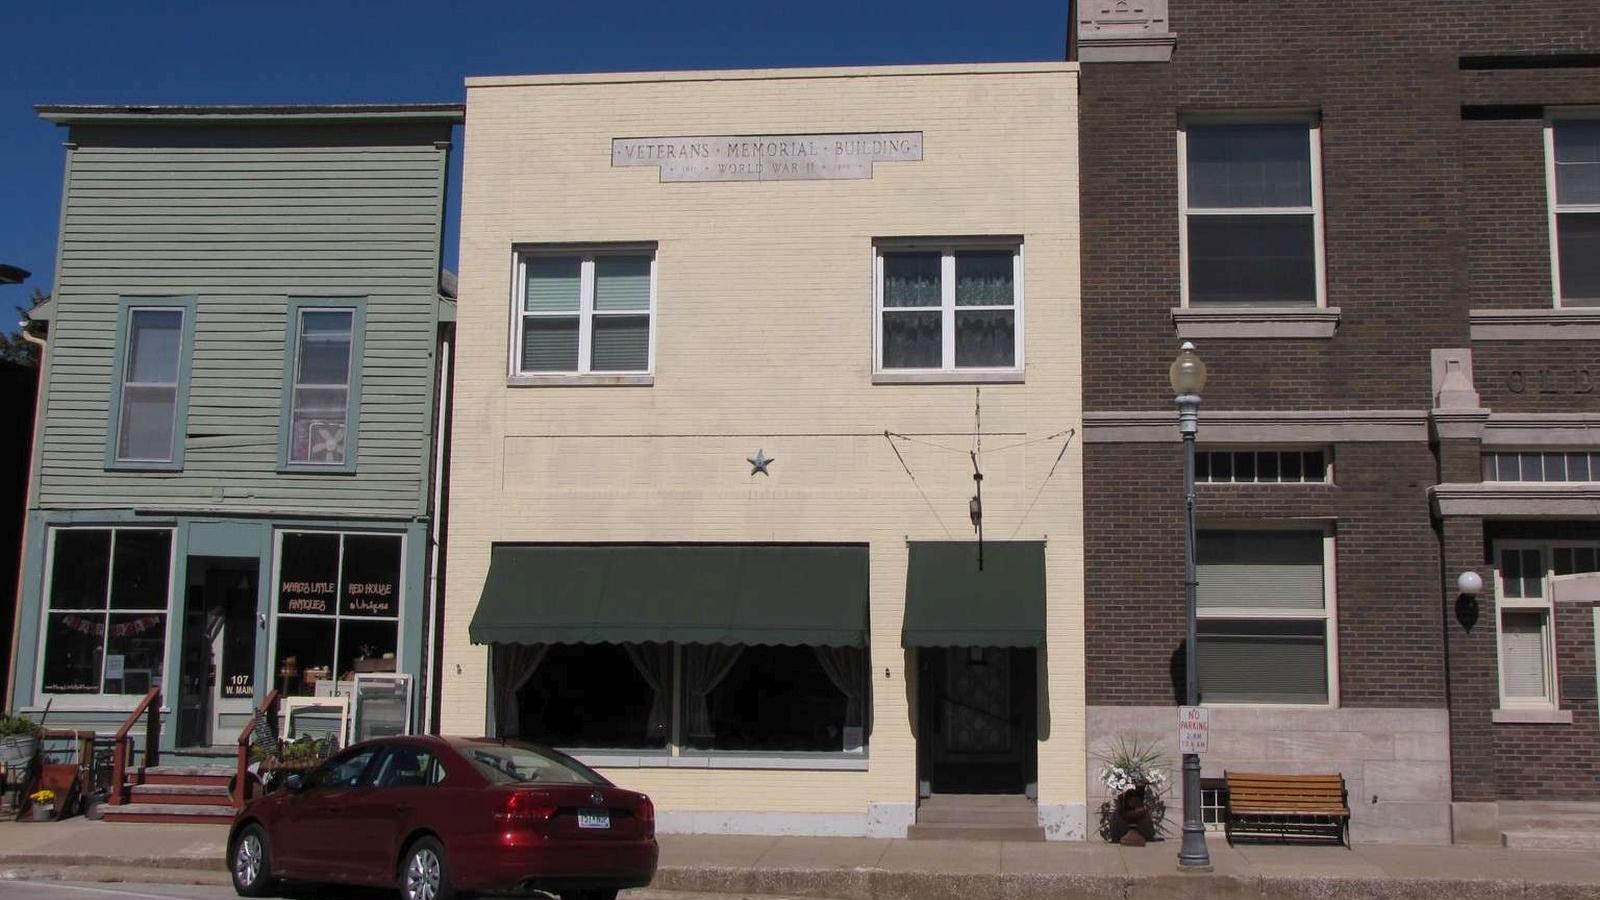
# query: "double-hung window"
949 308
323 385
150 390
1573 148
1529 577
1251 229
1265 624
584 312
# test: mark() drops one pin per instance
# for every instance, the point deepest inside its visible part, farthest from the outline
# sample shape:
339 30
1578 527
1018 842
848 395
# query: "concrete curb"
880 884
884 884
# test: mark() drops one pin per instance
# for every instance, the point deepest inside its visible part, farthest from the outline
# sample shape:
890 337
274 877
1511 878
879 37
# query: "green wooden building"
237 451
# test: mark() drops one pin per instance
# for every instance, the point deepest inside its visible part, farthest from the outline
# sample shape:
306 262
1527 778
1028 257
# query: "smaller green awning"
950 602
786 594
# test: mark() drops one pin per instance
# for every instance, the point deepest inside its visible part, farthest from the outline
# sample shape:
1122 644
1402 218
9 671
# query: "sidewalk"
866 869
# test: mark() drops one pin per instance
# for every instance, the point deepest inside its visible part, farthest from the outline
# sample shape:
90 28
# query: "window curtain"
846 667
704 667
513 665
654 662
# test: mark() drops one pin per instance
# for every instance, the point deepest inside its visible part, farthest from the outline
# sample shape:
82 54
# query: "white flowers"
1130 764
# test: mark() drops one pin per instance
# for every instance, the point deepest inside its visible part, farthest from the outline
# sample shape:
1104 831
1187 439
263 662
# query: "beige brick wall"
764 340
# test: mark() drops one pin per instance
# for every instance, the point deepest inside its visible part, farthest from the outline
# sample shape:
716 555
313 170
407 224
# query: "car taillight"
646 812
526 809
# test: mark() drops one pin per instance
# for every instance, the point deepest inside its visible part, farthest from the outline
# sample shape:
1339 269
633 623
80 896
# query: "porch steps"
977 817
176 794
1550 825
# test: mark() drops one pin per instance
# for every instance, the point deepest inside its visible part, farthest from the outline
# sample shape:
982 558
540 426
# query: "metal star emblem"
759 463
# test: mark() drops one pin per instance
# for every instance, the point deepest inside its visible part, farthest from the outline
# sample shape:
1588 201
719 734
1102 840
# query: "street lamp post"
1188 376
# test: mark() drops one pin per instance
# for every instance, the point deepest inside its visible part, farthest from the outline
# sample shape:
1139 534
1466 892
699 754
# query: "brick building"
1379 223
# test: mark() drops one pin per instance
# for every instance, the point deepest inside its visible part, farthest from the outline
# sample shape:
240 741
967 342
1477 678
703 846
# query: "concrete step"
940 831
978 809
1554 838
1561 822
1514 808
970 801
210 814
180 794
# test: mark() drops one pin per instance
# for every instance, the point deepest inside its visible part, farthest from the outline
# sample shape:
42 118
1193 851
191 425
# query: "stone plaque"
767 157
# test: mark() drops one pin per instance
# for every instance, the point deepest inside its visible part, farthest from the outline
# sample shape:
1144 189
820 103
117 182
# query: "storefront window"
338 610
106 614
728 697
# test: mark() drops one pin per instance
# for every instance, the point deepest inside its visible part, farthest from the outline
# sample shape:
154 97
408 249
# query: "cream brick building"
634 328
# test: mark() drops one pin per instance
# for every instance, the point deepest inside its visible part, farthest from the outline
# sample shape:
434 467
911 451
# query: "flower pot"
1134 822
44 812
18 749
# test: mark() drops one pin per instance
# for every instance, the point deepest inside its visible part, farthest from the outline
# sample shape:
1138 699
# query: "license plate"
594 818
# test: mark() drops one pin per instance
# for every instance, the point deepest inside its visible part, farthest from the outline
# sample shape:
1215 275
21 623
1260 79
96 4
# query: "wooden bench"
1287 806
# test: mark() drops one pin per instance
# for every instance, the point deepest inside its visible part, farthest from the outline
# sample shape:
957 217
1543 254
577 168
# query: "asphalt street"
25 889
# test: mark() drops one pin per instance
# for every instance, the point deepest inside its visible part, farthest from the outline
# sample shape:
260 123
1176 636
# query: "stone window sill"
580 381
1256 321
1568 324
956 377
602 759
1531 716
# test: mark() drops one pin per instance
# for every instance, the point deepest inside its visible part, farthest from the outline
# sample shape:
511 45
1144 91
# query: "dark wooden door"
978 721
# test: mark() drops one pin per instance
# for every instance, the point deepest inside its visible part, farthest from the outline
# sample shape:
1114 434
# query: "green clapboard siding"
244 227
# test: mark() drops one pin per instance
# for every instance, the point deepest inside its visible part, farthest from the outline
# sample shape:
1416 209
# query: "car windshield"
521 764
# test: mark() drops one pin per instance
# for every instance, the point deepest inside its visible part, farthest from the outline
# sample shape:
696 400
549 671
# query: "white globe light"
1470 583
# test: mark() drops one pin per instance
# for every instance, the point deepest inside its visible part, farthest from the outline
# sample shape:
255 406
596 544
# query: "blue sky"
349 51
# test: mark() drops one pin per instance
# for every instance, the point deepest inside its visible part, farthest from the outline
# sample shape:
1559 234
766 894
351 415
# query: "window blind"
1268 570
1522 658
1247 661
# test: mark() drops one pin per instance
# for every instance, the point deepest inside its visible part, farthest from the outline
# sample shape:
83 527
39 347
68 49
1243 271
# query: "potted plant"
1134 772
44 805
19 740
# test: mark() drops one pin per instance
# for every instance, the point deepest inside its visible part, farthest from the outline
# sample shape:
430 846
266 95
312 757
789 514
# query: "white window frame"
1545 604
1328 614
1313 125
1554 117
947 250
176 385
351 386
1327 463
586 312
100 699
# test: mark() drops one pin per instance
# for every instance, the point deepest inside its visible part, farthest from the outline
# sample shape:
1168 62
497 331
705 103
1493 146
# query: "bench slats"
1261 802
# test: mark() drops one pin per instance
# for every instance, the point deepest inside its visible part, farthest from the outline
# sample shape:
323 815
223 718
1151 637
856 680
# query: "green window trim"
180 414
297 306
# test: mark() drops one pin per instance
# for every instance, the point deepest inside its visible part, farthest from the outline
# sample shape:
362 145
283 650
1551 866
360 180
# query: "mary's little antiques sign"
767 157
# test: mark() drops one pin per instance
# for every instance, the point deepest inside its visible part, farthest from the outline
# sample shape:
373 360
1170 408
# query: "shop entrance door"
977 721
219 649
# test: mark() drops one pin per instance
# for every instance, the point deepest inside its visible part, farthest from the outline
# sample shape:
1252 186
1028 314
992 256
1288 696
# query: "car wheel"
251 863
424 875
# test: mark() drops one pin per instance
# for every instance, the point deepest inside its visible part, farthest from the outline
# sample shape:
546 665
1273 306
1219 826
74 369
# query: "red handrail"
268 707
124 744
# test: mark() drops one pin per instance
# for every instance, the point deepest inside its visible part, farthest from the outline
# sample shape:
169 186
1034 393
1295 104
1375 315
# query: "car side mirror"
294 784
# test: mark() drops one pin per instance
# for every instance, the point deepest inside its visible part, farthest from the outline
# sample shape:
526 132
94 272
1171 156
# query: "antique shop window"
1250 198
682 697
106 610
1573 148
1265 608
338 610
1541 465
584 313
323 390
152 384
1262 467
949 307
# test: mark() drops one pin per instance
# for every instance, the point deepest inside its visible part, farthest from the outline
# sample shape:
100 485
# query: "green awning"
794 594
950 602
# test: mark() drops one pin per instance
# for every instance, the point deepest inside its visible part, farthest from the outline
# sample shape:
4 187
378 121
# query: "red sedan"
434 816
